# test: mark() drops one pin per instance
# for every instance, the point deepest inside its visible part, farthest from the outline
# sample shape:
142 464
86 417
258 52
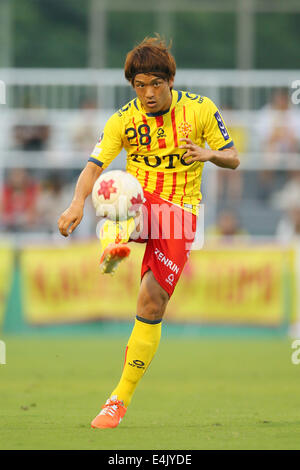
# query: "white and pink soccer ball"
117 195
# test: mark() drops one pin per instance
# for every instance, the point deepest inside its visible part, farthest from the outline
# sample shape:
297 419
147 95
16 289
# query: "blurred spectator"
278 129
288 229
86 128
289 194
18 201
31 137
227 229
55 196
288 200
278 126
53 199
267 183
230 183
32 133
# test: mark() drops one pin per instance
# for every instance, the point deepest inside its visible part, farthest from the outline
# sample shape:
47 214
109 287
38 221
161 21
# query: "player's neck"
169 102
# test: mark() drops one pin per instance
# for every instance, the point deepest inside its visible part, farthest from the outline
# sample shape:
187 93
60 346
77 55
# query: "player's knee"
153 308
153 299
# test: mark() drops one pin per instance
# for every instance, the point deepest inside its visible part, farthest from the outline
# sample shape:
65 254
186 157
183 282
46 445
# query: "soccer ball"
117 195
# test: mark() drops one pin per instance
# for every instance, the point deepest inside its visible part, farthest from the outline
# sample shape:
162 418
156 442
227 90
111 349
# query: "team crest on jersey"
185 128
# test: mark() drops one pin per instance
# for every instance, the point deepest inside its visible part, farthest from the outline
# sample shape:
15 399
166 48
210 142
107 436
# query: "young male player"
164 133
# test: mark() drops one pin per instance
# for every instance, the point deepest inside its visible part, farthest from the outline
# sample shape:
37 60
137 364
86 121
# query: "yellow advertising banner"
250 285
6 270
61 285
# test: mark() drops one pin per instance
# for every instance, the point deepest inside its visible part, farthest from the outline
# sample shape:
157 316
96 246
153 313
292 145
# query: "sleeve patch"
96 152
221 125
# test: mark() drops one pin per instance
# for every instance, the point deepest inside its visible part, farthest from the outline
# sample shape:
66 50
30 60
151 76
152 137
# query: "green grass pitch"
197 394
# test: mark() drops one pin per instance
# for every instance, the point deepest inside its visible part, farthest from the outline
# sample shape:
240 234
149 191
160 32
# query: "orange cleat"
111 415
113 254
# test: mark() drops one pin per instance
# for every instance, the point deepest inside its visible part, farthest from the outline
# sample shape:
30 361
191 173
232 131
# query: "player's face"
153 92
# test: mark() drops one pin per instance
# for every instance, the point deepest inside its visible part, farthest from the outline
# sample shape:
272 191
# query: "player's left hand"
195 153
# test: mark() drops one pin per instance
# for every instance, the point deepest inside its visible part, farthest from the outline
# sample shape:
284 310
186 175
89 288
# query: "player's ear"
171 83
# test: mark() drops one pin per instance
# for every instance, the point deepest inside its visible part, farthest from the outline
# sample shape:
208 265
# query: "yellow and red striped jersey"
152 142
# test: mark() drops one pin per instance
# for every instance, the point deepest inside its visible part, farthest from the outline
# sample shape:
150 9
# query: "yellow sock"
141 347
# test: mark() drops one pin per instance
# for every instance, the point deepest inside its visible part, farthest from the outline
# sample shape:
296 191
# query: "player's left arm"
227 158
212 127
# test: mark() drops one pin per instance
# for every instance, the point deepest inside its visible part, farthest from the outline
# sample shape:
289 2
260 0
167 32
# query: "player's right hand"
70 219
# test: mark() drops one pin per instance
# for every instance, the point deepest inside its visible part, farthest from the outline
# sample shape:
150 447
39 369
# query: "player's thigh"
167 256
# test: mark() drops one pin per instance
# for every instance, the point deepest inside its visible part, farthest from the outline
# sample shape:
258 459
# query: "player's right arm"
106 149
72 216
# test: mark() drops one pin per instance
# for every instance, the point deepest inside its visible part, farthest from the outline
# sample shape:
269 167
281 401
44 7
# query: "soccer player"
164 133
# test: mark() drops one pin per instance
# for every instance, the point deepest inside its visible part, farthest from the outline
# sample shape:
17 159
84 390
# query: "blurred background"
61 62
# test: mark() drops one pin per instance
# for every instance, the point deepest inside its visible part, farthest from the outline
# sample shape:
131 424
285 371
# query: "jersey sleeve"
110 143
215 131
